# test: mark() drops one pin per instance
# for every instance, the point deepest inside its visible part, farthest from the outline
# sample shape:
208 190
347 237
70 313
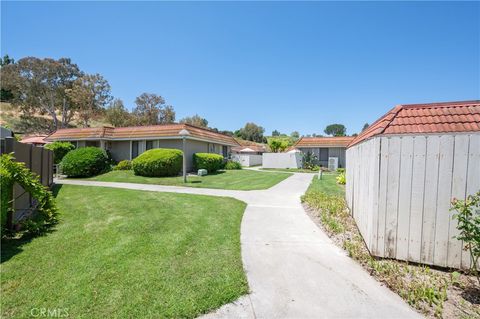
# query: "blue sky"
284 65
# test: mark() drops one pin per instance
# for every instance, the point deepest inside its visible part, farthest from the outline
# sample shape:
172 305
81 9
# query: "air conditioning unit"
332 163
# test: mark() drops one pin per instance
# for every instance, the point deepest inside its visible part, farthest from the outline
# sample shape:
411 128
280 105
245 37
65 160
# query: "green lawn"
232 179
128 254
291 170
327 184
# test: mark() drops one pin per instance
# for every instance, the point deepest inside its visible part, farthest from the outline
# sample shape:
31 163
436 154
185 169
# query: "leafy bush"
233 165
340 170
310 160
15 172
124 165
342 178
468 223
60 149
210 162
85 162
158 162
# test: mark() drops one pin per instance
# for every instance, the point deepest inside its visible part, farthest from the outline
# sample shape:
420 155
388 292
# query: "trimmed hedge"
85 162
210 162
158 162
232 165
60 149
124 165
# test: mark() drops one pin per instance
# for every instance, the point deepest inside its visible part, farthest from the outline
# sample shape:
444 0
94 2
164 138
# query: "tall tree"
196 120
117 115
40 86
335 130
295 135
275 133
151 110
90 94
252 132
365 126
167 115
5 92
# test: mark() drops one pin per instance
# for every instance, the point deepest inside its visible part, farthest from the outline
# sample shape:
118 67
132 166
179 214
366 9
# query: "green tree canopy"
275 133
151 110
251 132
117 115
335 130
89 94
40 86
196 120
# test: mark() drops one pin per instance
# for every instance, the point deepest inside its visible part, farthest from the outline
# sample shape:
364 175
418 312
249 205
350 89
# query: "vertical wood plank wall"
399 190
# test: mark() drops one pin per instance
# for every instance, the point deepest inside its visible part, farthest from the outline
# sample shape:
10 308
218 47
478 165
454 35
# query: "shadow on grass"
12 243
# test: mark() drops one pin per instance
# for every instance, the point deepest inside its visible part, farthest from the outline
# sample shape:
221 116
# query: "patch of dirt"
462 295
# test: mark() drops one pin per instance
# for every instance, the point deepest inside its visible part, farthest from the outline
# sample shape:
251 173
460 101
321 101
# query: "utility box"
202 172
332 163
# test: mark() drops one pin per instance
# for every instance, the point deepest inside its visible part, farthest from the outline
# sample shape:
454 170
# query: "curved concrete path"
294 270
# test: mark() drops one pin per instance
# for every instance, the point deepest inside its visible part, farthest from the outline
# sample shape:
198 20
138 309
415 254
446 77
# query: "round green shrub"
85 162
209 161
60 149
233 165
158 162
124 165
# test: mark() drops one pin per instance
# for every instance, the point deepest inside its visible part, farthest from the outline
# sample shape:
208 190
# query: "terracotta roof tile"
324 141
36 139
138 132
426 118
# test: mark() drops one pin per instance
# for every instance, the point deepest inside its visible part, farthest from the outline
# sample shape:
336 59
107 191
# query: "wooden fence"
39 161
399 191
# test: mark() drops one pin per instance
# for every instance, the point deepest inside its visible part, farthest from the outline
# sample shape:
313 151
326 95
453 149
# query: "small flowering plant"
467 214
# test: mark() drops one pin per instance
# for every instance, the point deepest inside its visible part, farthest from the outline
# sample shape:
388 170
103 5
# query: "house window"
225 151
323 154
134 149
149 145
92 143
212 148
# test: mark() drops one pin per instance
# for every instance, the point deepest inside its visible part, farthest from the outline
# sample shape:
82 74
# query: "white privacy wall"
399 190
247 159
282 160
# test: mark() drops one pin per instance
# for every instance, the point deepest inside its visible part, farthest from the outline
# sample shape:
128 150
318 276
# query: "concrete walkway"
294 270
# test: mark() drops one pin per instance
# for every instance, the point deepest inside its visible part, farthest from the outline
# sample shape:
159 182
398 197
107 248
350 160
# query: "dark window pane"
149 145
134 149
323 154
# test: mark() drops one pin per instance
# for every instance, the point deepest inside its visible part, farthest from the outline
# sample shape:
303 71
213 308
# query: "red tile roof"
340 141
37 139
426 118
250 149
139 132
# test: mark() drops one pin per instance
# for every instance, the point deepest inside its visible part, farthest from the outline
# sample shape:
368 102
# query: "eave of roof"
142 132
430 118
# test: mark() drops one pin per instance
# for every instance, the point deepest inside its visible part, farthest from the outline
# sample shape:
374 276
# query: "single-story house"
403 172
324 148
126 143
37 140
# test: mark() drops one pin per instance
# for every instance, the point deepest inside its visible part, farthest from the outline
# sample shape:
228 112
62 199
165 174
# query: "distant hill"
15 120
